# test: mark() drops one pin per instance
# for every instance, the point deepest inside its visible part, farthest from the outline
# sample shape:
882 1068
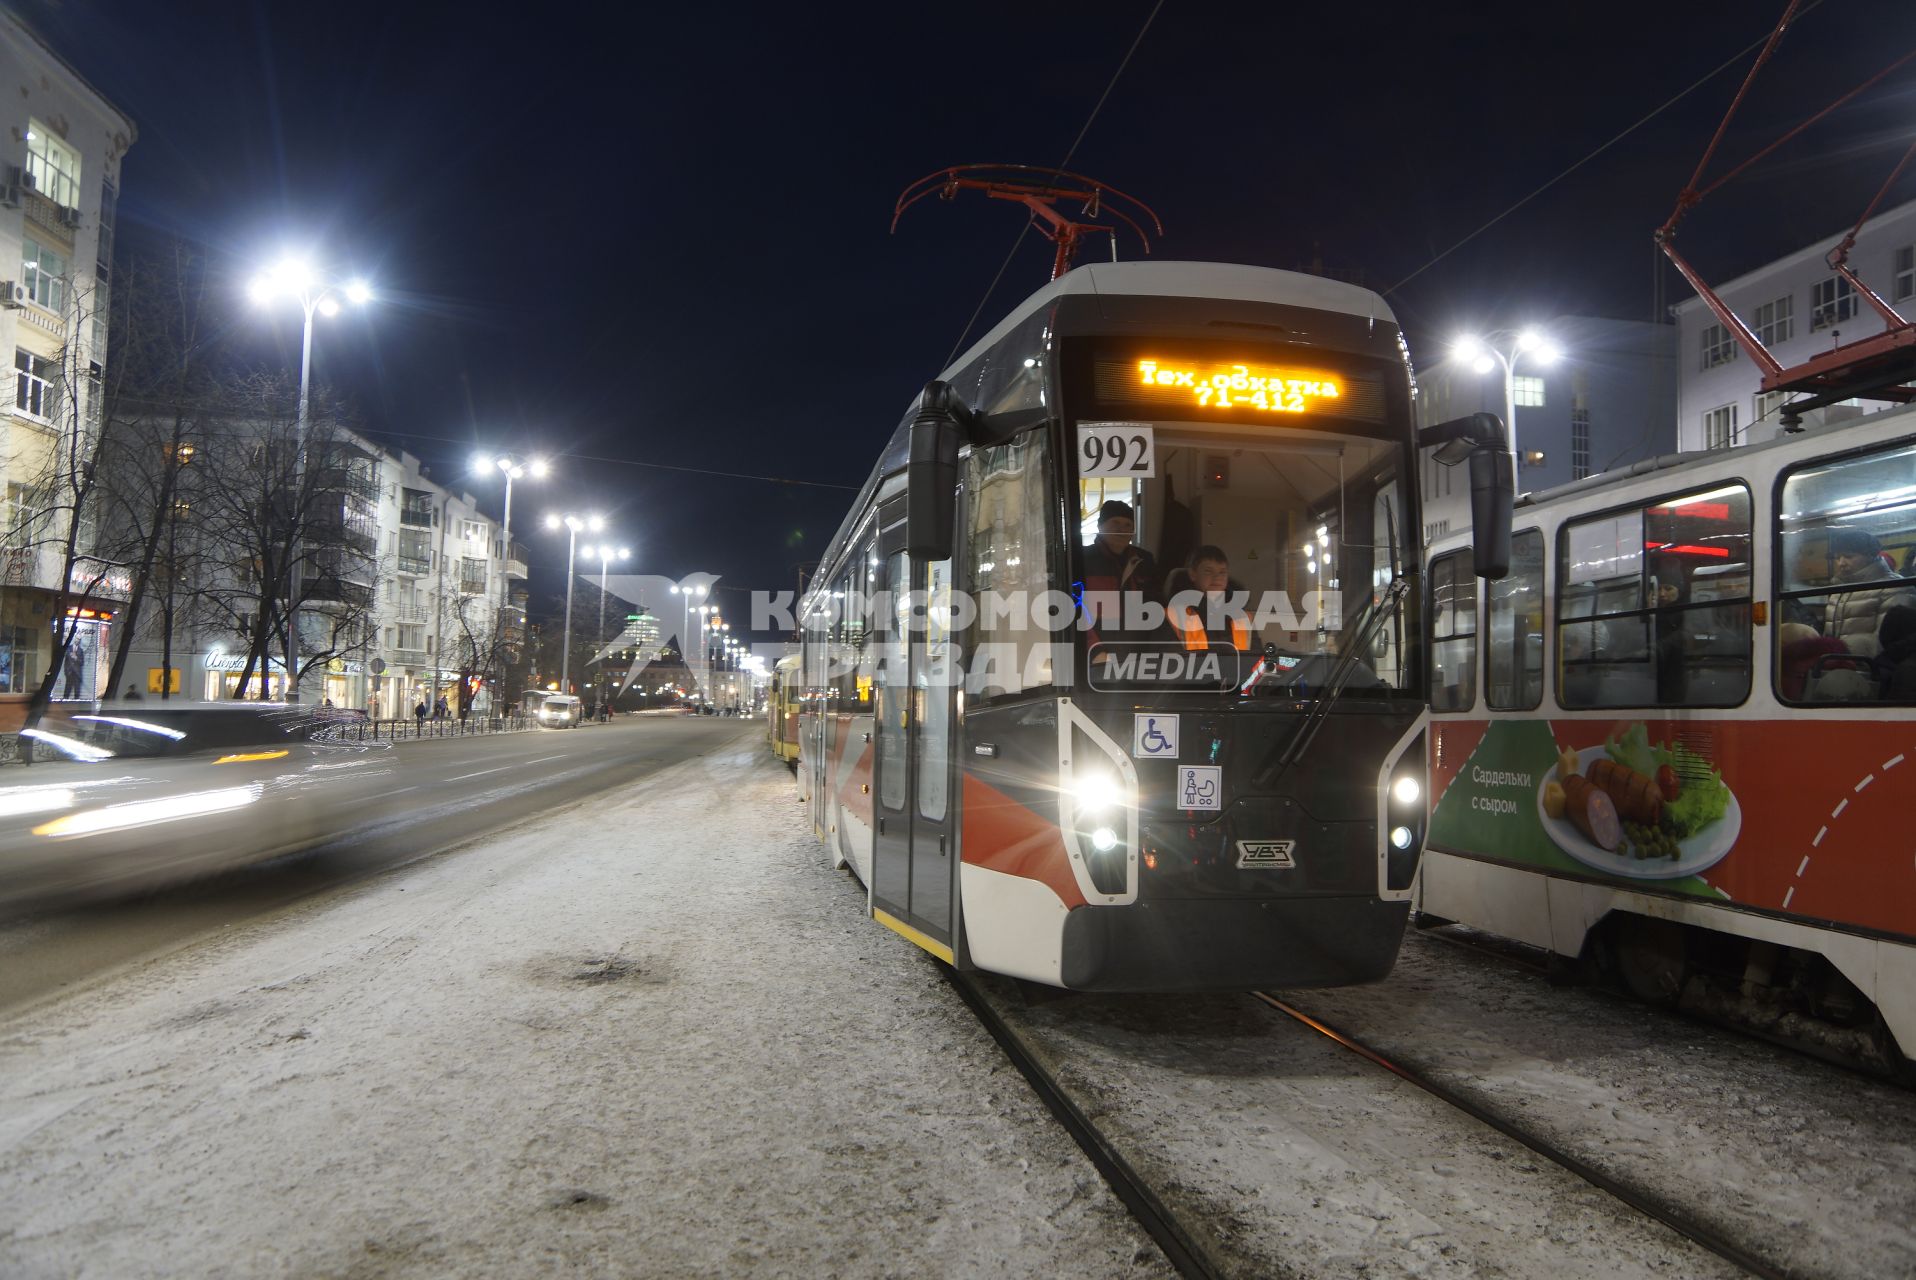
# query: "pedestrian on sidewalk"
419 714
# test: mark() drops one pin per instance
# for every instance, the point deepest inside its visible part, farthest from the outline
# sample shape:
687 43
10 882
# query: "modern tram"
1677 742
1009 733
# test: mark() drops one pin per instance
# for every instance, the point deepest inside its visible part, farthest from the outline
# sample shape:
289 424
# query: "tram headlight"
1097 793
1405 814
1104 839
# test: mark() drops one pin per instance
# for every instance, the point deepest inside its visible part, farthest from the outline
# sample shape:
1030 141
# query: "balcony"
331 588
407 613
413 566
409 657
516 561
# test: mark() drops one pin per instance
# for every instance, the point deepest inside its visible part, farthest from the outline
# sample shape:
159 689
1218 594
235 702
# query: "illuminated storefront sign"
1237 386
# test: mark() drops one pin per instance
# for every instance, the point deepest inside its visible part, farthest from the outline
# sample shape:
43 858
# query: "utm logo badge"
1265 855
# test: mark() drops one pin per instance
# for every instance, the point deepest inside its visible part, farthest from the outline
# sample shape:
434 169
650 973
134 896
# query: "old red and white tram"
1724 646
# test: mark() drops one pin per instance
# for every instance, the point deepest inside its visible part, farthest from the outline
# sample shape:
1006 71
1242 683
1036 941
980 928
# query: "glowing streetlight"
512 467
572 524
296 278
606 554
1483 353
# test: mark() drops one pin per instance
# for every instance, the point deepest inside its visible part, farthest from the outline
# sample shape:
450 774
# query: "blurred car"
144 794
560 711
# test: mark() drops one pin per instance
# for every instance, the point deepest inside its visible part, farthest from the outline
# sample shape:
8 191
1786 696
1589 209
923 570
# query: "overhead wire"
1727 63
1063 164
629 462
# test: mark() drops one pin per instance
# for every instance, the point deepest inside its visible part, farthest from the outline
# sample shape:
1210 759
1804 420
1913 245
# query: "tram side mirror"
1480 438
940 424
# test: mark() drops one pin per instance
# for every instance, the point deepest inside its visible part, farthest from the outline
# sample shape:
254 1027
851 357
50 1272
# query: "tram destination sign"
1235 388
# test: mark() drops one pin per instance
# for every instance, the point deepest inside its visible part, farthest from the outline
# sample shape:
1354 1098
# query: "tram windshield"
1231 538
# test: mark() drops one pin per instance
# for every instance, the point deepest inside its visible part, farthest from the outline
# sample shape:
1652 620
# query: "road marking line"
1801 869
542 759
1837 812
402 791
461 777
1820 833
1865 782
1788 896
1892 762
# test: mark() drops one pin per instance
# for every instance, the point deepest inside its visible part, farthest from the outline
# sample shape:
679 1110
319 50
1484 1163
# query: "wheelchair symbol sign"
1154 737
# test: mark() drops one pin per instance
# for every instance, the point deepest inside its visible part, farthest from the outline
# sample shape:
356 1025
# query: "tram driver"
1200 595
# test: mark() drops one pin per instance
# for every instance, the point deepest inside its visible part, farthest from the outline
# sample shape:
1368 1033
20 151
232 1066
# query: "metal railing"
412 728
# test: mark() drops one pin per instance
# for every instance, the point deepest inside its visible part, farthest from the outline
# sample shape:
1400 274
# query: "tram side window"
1513 651
851 659
1653 609
1453 653
1846 605
857 697
1008 558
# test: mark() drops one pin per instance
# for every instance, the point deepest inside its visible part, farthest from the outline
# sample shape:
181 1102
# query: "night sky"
633 234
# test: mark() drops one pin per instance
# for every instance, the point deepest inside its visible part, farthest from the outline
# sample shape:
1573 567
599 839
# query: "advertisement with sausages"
1800 818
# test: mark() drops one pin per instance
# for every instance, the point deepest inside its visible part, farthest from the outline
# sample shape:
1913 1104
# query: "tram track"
1641 1200
1191 1240
1182 1247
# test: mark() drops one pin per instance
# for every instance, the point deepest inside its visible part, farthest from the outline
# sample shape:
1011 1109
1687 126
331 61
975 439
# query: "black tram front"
1209 774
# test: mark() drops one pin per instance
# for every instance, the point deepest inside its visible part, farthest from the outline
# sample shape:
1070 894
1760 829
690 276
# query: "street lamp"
572 524
295 278
606 555
512 468
1484 354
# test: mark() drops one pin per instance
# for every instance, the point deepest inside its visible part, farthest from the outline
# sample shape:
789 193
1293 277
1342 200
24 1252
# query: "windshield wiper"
1272 770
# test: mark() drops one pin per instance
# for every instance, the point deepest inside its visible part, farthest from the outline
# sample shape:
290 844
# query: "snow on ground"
1810 1166
1305 1161
651 1034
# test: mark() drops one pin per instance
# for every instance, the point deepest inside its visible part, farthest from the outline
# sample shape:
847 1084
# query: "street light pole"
1485 355
572 524
605 569
512 468
294 278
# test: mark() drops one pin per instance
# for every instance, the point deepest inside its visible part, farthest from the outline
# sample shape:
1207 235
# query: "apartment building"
446 606
1609 400
61 144
1797 307
410 590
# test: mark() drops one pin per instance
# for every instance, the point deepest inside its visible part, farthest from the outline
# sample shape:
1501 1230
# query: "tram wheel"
1652 958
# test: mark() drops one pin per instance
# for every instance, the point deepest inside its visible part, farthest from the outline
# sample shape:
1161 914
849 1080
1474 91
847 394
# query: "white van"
560 711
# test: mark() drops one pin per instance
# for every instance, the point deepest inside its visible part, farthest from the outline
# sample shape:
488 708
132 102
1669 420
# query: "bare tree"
260 511
481 637
55 522
160 385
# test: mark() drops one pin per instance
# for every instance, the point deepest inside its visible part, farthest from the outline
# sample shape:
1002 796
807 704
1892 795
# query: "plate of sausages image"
1606 812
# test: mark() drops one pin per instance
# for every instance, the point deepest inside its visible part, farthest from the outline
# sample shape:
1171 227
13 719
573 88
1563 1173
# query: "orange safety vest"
1191 629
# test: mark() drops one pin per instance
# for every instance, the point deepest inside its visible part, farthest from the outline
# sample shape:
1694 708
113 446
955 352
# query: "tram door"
912 859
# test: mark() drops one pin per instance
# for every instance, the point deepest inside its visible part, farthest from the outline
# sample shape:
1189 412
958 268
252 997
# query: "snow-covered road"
648 1035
